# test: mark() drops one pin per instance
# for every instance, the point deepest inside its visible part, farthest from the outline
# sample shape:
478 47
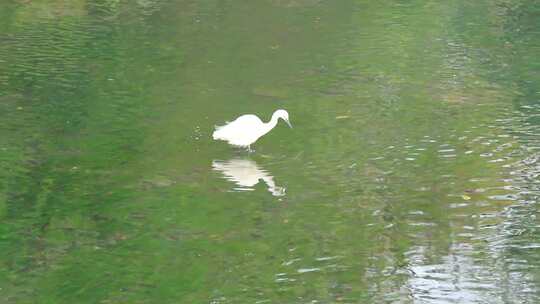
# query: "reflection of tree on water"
519 233
246 174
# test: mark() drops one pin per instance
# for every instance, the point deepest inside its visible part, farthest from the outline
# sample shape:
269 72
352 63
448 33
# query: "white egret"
246 129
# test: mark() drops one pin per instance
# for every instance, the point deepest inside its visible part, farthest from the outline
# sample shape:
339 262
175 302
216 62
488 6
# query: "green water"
412 174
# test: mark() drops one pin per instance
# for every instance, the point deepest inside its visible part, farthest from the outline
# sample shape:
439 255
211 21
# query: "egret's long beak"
287 121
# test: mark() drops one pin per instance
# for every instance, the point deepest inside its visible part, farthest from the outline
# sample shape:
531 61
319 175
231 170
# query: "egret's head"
283 115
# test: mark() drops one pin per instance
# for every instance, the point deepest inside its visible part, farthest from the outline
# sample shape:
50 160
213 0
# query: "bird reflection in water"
246 174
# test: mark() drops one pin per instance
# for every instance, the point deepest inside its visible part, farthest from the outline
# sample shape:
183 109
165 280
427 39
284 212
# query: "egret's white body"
246 129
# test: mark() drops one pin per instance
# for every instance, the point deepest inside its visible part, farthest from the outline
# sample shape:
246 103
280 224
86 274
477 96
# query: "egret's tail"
218 133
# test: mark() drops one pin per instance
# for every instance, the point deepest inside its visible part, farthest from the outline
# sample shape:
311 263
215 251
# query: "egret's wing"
238 131
247 120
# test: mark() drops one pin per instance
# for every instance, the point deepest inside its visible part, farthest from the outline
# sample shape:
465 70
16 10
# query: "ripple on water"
306 270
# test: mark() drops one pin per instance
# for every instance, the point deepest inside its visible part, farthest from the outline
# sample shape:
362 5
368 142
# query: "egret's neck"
271 124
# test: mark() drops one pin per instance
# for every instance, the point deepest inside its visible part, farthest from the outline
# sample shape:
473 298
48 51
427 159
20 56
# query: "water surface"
411 176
